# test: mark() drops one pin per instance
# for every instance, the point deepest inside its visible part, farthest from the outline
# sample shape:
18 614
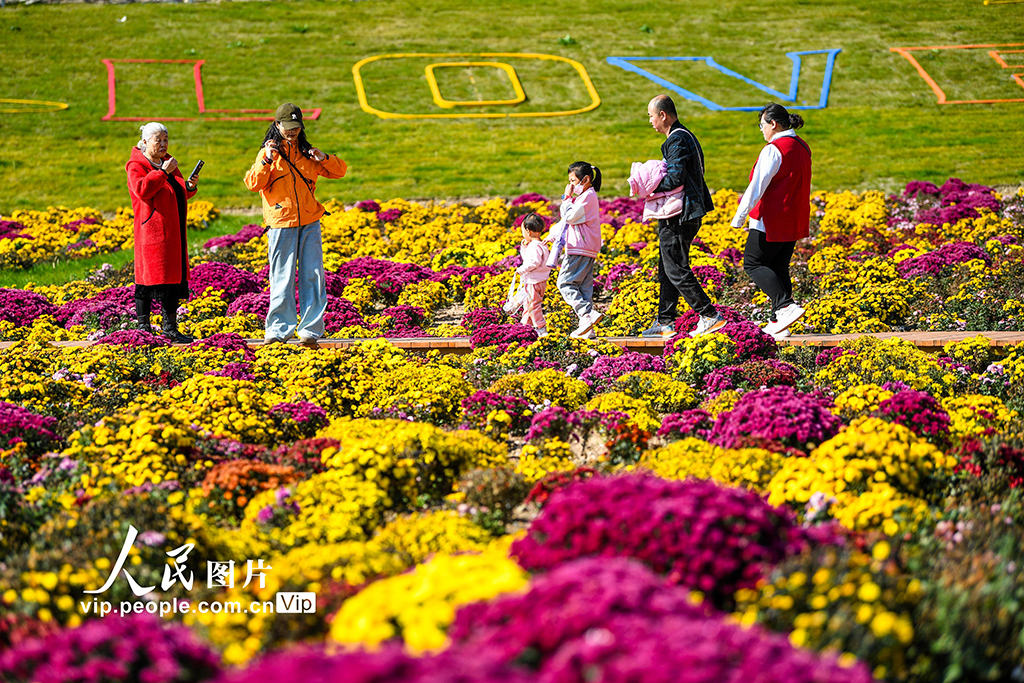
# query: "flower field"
553 510
62 234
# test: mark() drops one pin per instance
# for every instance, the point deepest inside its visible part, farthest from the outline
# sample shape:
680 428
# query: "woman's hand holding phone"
193 179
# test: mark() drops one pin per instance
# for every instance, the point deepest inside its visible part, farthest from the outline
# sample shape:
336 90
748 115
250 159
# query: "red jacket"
158 238
785 207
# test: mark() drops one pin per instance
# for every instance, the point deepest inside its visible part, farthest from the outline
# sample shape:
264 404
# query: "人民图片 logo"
219 574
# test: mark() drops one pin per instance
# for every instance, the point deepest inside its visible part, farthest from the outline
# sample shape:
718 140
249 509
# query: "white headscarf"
149 130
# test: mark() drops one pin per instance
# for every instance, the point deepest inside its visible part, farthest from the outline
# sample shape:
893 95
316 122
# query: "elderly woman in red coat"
159 199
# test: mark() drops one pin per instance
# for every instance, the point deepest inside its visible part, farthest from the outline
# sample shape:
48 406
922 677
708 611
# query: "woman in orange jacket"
284 174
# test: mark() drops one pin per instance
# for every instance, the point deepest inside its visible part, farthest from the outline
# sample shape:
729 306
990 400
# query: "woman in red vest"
778 201
159 199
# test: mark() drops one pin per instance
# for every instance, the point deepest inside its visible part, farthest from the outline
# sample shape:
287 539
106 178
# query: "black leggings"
767 264
168 306
170 296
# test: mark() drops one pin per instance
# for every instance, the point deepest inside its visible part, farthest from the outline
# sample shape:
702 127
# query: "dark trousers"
170 296
675 276
767 264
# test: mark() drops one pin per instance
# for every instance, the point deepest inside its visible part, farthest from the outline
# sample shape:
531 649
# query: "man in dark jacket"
685 161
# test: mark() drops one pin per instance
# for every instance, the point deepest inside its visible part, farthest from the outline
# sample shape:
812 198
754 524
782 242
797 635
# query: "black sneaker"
177 337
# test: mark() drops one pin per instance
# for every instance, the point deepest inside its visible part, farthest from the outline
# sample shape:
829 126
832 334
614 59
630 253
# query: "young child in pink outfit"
534 272
581 229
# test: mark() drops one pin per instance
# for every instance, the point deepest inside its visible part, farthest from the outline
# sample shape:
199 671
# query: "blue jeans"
576 283
288 248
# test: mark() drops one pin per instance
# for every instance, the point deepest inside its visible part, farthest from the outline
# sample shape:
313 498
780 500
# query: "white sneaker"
708 325
784 317
541 332
587 323
586 335
782 335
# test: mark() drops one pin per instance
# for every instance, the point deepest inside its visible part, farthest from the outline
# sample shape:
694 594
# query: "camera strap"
307 181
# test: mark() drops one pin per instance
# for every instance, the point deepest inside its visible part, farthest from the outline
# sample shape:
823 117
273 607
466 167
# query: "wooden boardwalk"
926 341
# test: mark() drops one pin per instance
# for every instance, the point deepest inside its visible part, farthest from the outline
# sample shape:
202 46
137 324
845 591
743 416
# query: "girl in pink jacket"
534 272
581 230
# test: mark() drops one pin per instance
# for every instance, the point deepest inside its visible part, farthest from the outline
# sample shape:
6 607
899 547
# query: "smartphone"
195 171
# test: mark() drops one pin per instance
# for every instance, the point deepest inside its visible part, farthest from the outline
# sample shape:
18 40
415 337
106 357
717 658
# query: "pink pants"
533 311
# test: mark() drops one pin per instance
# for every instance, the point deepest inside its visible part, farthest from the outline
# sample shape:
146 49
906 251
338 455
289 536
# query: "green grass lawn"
882 126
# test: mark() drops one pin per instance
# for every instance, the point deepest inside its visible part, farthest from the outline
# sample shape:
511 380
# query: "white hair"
149 130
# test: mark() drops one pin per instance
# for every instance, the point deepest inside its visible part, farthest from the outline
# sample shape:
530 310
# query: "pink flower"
265 514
